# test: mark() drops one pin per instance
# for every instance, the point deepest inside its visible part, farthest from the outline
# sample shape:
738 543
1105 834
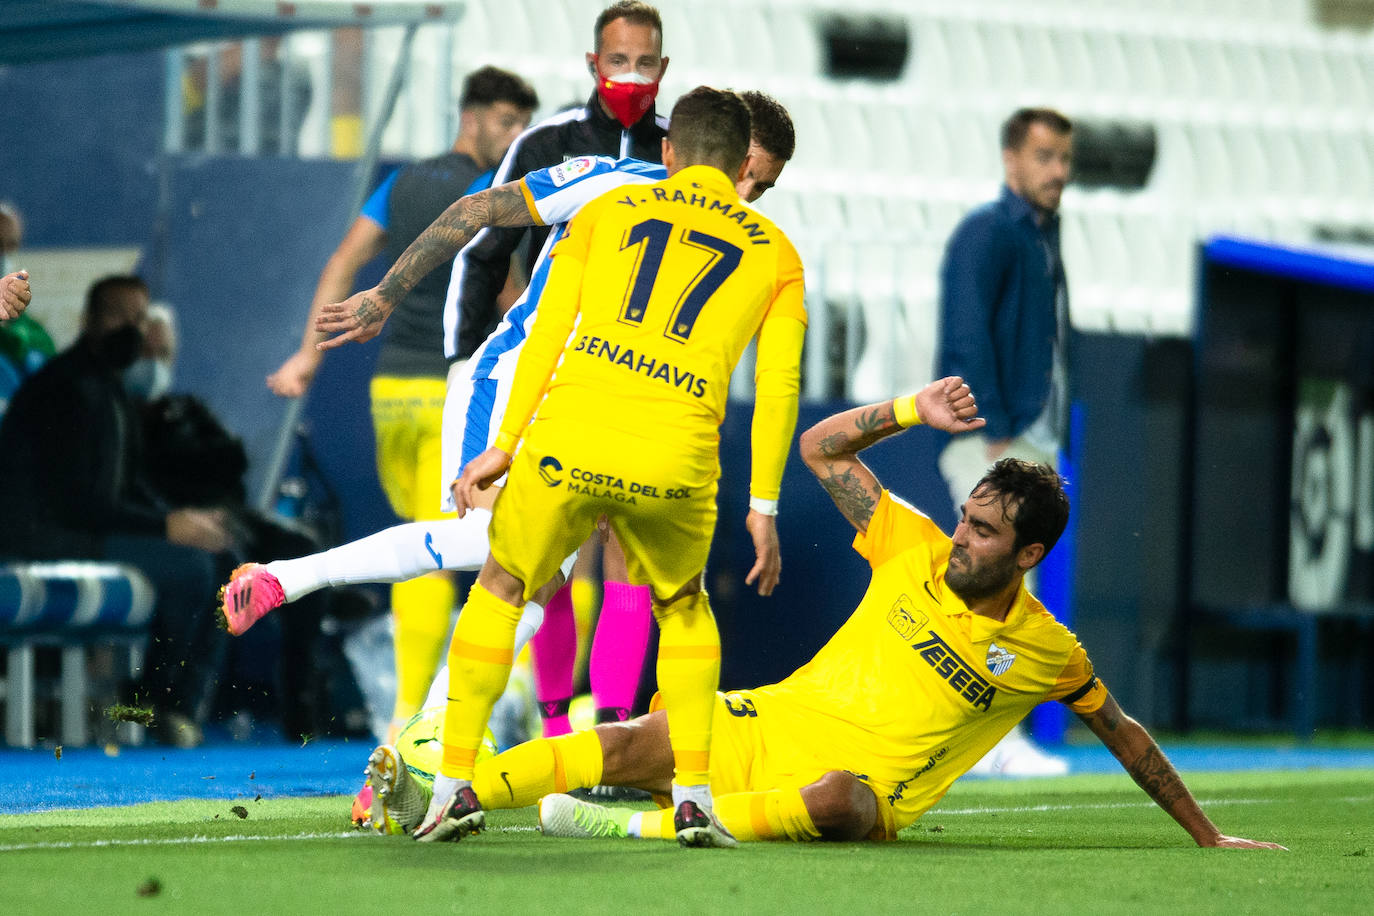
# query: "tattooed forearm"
455 227
851 497
1153 772
875 423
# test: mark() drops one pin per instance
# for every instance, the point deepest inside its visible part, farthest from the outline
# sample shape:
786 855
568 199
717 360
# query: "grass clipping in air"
141 715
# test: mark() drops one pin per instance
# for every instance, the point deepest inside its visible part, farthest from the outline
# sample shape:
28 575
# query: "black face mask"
119 349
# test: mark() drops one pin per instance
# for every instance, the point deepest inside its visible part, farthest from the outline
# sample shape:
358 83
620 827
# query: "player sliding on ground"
944 654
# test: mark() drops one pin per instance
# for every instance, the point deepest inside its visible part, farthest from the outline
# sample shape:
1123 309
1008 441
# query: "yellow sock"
526 773
586 601
779 814
688 675
479 662
422 608
657 824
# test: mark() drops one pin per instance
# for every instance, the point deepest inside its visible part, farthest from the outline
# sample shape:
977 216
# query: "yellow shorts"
757 753
660 501
408 419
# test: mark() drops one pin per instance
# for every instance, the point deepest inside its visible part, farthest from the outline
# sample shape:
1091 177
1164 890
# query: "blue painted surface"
1314 266
36 780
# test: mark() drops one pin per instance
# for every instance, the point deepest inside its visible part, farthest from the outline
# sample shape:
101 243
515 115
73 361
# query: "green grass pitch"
1078 844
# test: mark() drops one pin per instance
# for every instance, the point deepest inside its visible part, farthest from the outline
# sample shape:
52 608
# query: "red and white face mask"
627 95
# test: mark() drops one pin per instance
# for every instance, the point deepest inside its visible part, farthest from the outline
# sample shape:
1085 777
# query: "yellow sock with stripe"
479 663
527 772
779 814
688 676
422 608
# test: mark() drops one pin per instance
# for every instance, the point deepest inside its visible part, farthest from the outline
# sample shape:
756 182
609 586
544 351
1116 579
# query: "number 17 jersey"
667 285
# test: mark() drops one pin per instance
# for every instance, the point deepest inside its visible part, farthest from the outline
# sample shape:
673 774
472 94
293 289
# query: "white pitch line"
200 838
1206 803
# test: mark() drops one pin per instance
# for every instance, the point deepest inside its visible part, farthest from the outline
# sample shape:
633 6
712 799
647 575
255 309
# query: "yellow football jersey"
655 291
914 688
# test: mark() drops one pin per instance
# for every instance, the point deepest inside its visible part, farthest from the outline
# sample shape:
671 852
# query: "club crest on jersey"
570 170
905 619
999 659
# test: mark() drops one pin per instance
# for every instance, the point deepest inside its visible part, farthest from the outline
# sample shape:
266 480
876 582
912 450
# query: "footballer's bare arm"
831 450
362 316
1141 757
831 447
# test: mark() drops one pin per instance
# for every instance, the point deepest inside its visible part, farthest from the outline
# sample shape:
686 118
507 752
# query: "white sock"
393 555
632 828
699 794
444 788
524 632
530 622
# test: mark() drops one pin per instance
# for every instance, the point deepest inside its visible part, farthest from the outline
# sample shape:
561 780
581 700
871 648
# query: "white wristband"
763 506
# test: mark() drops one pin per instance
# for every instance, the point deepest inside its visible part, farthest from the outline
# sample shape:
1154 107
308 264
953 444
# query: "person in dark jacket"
1004 322
71 458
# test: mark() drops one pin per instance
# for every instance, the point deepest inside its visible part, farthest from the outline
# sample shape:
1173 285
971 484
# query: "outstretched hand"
359 318
1236 842
480 473
767 569
947 404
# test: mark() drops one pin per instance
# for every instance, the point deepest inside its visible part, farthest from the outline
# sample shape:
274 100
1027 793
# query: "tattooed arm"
1138 753
361 317
831 447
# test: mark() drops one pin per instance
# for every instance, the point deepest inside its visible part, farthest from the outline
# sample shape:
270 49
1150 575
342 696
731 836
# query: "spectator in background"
1004 325
15 293
71 456
409 381
191 461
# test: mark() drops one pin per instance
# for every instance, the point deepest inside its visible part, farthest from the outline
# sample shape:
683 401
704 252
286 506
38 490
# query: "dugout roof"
40 30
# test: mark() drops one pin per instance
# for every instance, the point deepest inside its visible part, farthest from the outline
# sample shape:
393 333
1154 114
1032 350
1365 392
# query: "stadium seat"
71 605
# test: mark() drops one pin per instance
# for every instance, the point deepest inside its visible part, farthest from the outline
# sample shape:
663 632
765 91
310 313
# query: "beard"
972 583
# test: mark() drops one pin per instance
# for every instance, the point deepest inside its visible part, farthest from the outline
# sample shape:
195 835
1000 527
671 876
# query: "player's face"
982 561
496 127
1039 170
627 46
760 175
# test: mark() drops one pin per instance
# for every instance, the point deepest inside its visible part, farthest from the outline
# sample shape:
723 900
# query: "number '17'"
652 237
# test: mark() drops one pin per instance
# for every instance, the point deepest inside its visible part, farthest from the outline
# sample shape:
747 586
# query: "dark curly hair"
1036 493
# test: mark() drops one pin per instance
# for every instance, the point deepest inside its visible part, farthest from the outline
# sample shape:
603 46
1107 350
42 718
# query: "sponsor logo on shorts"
929 765
905 619
602 485
549 469
957 673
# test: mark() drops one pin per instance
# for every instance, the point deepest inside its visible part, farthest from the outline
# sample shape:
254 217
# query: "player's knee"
636 752
687 598
841 806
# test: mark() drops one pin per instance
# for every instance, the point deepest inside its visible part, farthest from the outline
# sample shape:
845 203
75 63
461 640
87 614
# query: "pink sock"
553 652
622 636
